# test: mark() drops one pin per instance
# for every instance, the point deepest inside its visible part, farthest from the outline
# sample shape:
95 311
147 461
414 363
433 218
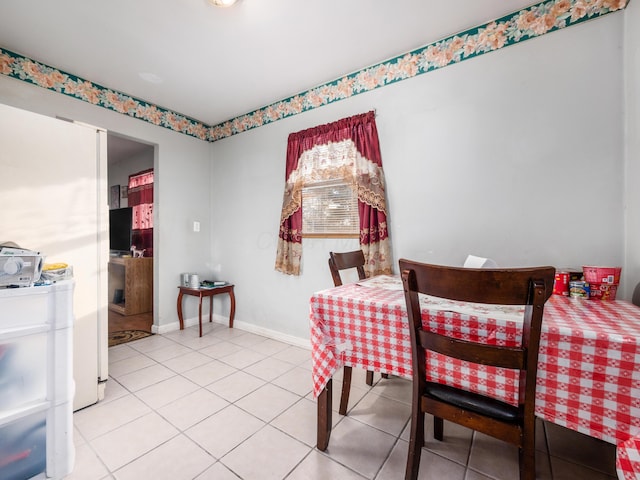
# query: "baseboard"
240 325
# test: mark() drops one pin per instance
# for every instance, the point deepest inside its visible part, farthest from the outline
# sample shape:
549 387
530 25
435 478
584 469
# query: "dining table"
588 364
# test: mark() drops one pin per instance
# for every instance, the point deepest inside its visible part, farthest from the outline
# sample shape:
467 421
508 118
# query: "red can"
561 284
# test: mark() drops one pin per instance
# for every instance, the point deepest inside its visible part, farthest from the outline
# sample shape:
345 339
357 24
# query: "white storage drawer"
23 307
36 382
23 451
23 368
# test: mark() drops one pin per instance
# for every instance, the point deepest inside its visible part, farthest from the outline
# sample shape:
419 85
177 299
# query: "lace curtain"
140 197
353 144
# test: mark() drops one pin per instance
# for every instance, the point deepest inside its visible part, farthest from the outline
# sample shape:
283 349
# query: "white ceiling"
214 64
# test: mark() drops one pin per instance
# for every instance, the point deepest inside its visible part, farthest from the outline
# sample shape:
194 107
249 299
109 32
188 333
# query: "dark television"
120 229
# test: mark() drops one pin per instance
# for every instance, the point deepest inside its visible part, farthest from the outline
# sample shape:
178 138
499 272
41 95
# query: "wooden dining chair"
530 287
338 262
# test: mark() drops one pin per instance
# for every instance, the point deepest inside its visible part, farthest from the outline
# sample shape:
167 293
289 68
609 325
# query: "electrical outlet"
196 226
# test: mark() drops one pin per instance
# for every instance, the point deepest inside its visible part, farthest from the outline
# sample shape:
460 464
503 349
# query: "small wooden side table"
206 292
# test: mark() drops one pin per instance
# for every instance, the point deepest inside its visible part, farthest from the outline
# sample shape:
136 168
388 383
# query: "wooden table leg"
324 416
210 308
200 315
232 311
180 310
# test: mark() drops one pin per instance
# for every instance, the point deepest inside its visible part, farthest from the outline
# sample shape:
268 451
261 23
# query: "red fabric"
588 368
362 131
140 198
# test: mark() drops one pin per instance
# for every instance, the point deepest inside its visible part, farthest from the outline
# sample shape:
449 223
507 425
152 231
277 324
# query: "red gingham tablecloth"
588 369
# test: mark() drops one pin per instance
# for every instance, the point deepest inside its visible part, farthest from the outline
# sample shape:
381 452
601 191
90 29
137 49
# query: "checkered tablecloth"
588 370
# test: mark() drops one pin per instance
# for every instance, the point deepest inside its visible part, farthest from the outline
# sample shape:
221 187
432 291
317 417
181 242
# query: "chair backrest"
345 261
514 286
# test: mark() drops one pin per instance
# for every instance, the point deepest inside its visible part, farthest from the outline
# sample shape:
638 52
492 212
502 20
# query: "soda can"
579 289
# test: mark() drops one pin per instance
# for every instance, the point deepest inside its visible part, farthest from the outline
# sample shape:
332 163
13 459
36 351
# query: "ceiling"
213 64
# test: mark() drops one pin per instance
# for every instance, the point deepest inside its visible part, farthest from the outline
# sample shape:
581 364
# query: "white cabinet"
36 381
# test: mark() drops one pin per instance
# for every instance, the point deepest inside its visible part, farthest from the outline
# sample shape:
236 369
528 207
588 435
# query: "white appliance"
36 381
19 267
60 177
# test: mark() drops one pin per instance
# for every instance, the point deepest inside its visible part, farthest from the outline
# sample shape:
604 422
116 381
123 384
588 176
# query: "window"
329 209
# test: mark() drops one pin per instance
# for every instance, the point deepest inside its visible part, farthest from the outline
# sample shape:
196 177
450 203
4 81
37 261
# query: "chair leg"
369 377
527 454
416 442
438 428
385 375
346 387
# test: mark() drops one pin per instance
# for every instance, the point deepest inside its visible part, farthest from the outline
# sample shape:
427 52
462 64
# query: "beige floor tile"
267 402
297 380
269 368
220 349
360 447
266 448
246 340
299 421
269 346
319 466
217 471
382 413
193 408
224 430
113 390
166 414
166 391
235 386
295 355
97 420
395 388
209 372
144 377
493 457
187 361
148 344
178 459
455 446
133 363
243 358
196 342
432 466
128 442
172 350
120 352
87 465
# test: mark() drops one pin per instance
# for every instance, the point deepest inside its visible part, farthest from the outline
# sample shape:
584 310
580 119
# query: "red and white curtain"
360 165
140 198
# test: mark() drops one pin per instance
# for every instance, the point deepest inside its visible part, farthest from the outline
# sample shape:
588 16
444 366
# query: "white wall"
516 155
182 168
631 273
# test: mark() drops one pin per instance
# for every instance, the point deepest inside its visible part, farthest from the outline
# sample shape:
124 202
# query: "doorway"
130 299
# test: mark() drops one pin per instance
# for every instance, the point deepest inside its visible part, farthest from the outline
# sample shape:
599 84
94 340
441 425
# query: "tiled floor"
235 405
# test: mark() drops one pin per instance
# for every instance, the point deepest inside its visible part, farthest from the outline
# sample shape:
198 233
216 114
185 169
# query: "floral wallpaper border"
537 20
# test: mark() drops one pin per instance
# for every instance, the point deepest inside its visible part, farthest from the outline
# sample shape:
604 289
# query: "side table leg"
324 416
232 311
210 308
180 310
